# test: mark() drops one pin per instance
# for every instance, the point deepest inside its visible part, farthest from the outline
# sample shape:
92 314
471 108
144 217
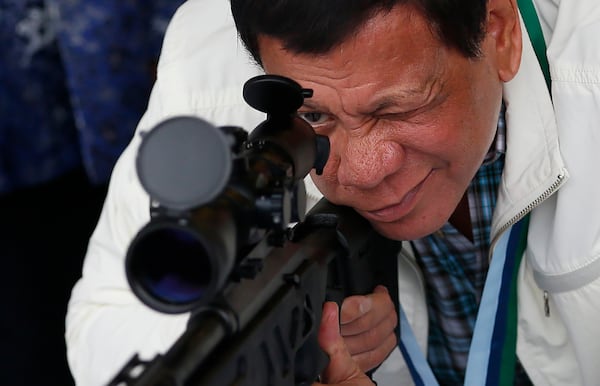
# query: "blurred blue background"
75 78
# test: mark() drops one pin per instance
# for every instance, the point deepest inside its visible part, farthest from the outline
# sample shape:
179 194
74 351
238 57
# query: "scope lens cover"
184 162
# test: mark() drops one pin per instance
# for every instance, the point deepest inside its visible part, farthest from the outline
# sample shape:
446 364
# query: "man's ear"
504 36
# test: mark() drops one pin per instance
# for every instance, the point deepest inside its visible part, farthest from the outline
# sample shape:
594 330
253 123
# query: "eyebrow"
392 99
307 104
398 97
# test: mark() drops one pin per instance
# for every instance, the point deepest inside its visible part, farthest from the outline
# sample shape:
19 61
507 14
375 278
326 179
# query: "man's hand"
367 326
342 369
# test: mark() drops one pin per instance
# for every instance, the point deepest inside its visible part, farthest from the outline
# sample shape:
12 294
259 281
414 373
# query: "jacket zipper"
547 193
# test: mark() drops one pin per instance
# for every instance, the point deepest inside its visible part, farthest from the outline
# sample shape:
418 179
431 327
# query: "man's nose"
364 162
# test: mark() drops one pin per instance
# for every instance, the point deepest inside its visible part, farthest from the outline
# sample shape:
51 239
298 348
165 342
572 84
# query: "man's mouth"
397 210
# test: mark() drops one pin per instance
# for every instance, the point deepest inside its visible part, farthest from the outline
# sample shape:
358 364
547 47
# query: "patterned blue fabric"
75 78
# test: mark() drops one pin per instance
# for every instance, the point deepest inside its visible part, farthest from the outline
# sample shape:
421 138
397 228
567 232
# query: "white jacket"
201 71
551 165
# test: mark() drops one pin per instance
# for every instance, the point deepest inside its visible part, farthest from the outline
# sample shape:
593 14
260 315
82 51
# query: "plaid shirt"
455 269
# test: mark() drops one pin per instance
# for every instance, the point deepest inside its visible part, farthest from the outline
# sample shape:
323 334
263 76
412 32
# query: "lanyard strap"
534 30
492 354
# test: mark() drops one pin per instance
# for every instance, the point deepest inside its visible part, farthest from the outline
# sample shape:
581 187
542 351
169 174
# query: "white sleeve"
201 72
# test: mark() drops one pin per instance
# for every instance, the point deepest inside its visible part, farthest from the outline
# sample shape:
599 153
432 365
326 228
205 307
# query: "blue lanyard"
493 325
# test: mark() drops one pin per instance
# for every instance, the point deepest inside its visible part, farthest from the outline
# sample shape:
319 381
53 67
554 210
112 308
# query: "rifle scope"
215 191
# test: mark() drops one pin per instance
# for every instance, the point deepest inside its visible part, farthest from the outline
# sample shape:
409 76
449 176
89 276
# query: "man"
413 122
409 94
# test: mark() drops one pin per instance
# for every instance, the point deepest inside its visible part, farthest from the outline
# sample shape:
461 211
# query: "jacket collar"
534 168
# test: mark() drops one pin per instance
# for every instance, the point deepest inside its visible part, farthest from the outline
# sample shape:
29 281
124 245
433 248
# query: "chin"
407 230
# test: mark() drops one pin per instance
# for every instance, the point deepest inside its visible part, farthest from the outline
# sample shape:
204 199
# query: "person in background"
75 78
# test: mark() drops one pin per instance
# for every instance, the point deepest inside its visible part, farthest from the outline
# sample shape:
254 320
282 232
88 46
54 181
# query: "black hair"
317 26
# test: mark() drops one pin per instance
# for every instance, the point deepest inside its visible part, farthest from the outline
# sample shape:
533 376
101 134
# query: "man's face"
409 119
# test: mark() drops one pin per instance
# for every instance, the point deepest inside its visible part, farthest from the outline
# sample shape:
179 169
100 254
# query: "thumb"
341 366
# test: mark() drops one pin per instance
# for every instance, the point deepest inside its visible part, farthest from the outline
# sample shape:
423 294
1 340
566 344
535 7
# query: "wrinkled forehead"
384 64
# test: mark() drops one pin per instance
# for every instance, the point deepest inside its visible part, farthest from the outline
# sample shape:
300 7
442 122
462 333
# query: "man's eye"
314 118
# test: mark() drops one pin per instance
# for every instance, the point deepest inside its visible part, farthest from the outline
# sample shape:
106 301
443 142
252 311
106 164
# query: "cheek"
327 180
463 133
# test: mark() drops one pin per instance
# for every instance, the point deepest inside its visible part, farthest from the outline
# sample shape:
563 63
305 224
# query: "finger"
381 289
341 365
369 360
353 307
356 306
372 338
361 313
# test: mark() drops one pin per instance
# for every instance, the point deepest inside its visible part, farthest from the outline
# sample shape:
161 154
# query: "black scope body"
216 191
